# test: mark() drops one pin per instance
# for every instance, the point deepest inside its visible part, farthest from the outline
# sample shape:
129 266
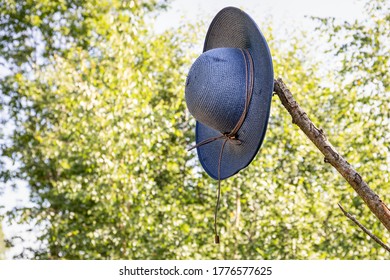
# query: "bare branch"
317 136
373 236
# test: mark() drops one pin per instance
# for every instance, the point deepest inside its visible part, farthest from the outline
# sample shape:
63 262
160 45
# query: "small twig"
353 219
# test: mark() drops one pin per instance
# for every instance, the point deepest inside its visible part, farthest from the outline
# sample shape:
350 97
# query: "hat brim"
233 28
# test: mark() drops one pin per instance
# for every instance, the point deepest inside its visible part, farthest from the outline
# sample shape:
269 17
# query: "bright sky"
283 12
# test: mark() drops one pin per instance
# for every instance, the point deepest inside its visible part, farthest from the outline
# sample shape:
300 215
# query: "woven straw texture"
216 90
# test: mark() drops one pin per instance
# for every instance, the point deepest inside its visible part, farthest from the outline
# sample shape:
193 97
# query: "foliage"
362 49
102 131
99 130
2 244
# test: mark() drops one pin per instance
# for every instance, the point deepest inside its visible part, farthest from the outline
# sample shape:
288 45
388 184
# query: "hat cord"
231 136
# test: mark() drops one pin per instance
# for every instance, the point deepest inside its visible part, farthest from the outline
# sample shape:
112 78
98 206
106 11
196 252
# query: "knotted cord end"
191 148
236 141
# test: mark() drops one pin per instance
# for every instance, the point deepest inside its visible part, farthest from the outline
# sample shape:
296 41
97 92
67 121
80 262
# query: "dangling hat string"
231 136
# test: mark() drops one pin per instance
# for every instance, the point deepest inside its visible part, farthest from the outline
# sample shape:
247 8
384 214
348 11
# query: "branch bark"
317 136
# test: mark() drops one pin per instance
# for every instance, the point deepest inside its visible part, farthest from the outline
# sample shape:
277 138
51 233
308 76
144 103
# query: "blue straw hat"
229 91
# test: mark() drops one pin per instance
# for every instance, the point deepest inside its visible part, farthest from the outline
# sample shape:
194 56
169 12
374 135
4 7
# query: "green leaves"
2 244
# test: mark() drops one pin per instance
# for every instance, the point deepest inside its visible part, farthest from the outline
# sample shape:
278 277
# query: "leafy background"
96 99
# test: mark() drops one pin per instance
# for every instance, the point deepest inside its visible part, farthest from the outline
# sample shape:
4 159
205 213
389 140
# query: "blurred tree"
2 244
101 134
362 52
101 128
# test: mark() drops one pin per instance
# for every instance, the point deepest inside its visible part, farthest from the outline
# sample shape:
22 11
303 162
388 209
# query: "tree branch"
317 136
373 236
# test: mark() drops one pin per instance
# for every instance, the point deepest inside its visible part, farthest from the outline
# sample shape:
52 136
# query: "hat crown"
216 88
